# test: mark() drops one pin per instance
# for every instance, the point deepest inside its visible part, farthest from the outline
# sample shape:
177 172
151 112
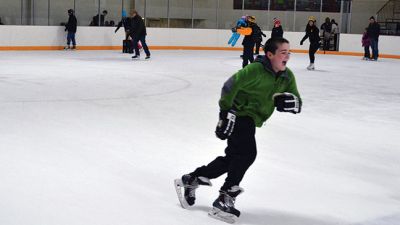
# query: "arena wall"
104 38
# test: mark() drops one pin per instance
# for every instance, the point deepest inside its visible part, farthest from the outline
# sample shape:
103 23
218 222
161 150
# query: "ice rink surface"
94 138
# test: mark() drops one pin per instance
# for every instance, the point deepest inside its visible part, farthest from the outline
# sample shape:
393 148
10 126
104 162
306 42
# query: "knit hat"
277 21
312 18
123 13
372 18
251 19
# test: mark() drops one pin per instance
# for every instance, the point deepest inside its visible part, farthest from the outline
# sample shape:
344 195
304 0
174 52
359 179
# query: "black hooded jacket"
312 32
277 32
257 33
72 24
137 28
373 30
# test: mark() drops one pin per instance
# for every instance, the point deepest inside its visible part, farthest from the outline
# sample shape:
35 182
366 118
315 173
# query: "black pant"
258 45
366 52
312 50
239 155
326 44
247 55
335 42
142 39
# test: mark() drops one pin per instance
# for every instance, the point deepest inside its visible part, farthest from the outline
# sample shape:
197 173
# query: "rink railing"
104 38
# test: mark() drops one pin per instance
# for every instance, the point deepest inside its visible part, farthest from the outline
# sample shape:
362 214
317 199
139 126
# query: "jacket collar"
267 66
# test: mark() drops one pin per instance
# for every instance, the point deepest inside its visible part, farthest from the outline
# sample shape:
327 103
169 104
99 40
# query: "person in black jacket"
277 31
138 33
249 42
373 31
70 27
99 20
312 33
326 34
258 34
125 22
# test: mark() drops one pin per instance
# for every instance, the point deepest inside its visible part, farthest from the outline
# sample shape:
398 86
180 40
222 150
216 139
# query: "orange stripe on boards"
47 48
30 48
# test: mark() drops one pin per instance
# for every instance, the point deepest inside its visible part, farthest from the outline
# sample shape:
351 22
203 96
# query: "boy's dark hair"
271 45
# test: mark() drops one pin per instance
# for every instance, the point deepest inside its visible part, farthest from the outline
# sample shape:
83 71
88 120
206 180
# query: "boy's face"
280 58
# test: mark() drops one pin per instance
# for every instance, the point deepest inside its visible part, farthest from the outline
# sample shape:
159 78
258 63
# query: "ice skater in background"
70 27
258 34
366 43
242 22
248 41
247 100
277 31
125 21
312 33
138 34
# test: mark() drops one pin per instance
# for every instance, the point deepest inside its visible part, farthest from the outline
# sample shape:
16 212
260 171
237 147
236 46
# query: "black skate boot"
224 206
189 184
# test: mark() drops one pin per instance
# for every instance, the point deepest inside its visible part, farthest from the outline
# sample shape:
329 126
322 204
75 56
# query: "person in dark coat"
335 33
125 22
312 33
277 31
249 42
373 32
138 33
326 34
96 21
258 34
71 28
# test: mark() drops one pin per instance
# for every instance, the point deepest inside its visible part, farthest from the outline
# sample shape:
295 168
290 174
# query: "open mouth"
284 63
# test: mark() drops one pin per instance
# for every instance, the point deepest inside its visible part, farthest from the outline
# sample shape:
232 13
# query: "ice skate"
224 206
311 66
136 57
189 184
67 47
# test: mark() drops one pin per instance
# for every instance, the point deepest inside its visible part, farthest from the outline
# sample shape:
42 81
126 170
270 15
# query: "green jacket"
250 90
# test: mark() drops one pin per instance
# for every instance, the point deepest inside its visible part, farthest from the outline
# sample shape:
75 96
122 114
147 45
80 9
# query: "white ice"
94 138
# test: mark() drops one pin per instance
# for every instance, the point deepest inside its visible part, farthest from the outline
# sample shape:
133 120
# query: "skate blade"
178 188
221 215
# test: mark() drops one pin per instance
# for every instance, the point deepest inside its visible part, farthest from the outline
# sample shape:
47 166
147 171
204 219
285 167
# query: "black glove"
287 102
225 124
301 42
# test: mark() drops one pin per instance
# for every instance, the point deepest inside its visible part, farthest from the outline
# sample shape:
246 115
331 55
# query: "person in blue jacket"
125 22
242 22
